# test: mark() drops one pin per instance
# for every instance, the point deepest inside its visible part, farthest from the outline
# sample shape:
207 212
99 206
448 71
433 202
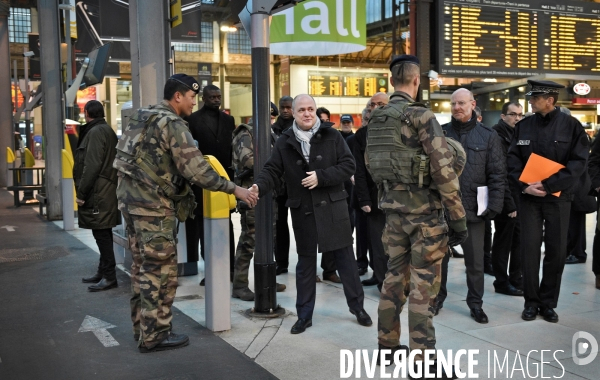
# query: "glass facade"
19 24
238 42
206 46
380 10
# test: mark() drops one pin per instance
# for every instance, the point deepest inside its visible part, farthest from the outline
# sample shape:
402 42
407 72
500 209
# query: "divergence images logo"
584 344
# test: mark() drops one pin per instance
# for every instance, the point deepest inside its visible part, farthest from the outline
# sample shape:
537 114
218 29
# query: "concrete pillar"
136 99
53 106
6 126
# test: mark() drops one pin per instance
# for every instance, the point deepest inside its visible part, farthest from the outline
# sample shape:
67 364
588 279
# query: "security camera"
28 54
432 74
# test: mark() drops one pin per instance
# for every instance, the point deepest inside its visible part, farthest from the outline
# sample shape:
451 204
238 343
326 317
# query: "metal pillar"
52 112
136 99
423 47
6 126
28 139
154 44
265 300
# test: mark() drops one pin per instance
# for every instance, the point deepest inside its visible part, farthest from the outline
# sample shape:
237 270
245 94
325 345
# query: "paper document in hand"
482 199
539 168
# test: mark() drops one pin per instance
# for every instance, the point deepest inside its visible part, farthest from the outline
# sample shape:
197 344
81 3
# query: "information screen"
329 83
518 38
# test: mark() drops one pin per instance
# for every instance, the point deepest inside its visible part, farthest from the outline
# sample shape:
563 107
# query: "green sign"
320 27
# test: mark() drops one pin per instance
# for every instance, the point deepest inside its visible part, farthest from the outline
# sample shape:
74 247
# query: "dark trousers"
507 242
443 293
194 232
596 246
487 242
282 234
550 221
104 240
576 243
306 270
375 224
473 250
363 235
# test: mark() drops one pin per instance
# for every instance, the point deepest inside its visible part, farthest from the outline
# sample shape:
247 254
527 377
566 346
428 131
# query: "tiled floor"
315 354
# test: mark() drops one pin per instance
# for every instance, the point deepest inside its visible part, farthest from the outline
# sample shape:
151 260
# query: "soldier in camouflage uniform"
243 165
156 157
415 236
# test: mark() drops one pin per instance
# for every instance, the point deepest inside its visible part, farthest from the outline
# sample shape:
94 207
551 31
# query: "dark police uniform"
561 138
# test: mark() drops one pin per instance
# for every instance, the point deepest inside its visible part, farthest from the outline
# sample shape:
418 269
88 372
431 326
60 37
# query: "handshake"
248 196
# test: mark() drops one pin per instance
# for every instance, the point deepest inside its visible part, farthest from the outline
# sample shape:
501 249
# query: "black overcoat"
319 216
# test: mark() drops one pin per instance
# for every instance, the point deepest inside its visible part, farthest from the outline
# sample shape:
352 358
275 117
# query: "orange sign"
84 96
20 98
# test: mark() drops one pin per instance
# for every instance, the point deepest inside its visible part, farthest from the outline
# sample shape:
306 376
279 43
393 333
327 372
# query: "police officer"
415 236
542 211
156 157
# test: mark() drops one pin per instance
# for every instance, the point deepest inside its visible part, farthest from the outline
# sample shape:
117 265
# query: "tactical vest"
139 146
241 172
390 160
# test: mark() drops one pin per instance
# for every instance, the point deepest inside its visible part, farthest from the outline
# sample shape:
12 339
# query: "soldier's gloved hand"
457 238
488 214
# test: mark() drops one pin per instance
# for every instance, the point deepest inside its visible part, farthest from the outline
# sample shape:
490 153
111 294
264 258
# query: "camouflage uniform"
150 215
243 164
415 236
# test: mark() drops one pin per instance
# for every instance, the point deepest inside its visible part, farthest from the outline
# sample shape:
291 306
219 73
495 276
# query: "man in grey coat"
96 185
314 161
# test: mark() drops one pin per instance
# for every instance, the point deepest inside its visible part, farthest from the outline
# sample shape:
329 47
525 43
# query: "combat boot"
171 342
245 294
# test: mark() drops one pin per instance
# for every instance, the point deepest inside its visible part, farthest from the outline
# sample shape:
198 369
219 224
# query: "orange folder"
539 168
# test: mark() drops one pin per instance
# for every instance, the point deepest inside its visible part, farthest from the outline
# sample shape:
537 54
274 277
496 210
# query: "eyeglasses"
460 104
513 114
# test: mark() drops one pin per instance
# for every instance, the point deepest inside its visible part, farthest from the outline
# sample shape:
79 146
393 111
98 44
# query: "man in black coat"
96 187
212 129
507 237
486 167
282 231
594 171
315 161
561 138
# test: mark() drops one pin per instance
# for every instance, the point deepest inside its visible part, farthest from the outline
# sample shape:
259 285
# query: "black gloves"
488 214
457 238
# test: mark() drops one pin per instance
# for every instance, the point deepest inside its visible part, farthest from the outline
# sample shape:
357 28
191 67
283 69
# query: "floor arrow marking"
100 329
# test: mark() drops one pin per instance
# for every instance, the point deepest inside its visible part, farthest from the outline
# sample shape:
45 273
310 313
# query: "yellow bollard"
29 160
216 242
68 188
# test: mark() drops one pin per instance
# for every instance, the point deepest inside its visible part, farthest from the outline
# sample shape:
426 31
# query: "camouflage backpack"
389 160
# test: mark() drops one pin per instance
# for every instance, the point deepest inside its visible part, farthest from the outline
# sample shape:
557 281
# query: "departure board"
328 83
518 38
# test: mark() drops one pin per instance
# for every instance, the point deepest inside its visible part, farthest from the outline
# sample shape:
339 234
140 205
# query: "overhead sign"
329 83
525 38
586 101
320 27
582 88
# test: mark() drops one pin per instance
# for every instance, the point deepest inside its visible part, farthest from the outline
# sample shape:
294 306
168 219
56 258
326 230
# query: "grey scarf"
304 137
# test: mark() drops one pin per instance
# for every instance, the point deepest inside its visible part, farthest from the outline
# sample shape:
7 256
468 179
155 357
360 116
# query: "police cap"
346 117
404 58
187 81
542 87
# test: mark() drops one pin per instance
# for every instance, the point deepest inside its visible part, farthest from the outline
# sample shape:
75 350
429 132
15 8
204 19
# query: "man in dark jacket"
315 161
212 129
594 171
507 236
96 188
282 230
486 167
561 138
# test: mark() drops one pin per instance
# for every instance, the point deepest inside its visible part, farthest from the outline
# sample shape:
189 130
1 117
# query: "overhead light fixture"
228 28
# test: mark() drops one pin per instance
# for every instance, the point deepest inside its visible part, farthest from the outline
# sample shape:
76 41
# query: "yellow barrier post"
10 163
216 258
29 162
68 187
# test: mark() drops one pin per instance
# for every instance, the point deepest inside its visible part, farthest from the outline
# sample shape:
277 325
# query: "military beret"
346 117
187 81
274 110
542 87
398 59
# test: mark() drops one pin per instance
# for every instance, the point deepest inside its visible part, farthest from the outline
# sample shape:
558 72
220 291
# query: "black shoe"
488 269
390 356
509 290
456 254
437 306
479 315
370 281
529 313
332 278
202 282
362 317
104 284
280 287
571 259
301 325
172 342
279 270
549 314
362 271
92 280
